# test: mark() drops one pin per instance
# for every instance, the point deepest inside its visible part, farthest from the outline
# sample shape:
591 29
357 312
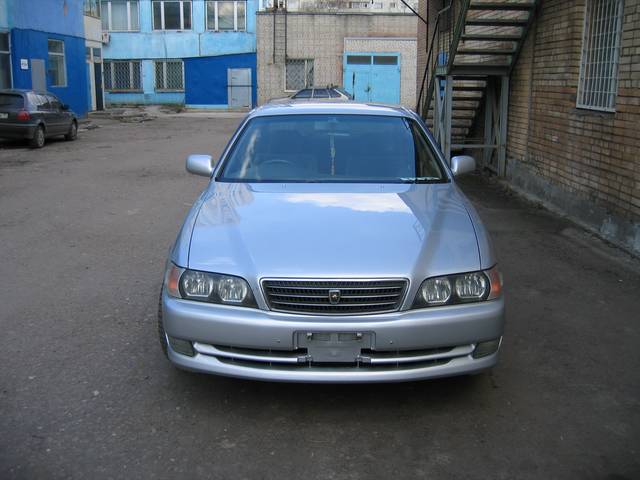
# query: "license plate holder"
4 115
334 347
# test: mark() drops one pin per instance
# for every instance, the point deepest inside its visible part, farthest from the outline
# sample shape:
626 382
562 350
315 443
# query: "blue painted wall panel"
55 16
32 44
206 78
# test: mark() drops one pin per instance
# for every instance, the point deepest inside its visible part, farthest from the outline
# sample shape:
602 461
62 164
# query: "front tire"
73 132
38 138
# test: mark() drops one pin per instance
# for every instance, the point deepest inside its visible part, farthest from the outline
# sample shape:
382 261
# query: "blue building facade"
44 48
198 53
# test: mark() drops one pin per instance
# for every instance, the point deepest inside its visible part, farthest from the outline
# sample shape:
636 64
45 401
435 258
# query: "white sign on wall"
24 64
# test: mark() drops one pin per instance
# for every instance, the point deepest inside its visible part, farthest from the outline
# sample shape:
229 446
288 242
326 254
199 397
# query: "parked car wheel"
73 132
38 138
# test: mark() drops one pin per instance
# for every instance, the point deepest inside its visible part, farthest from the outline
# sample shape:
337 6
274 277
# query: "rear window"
11 100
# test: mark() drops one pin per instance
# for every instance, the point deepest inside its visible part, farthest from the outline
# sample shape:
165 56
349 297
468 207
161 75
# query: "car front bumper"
265 345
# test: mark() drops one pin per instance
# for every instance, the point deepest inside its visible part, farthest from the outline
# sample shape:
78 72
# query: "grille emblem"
334 297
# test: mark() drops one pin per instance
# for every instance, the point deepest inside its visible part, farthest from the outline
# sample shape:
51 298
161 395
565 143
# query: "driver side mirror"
64 107
462 164
200 165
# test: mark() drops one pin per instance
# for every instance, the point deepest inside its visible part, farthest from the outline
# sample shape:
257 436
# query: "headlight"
208 287
460 288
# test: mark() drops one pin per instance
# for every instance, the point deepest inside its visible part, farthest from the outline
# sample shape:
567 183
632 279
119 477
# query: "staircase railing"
446 40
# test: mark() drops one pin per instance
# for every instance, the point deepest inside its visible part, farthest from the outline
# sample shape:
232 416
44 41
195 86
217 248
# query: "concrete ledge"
621 232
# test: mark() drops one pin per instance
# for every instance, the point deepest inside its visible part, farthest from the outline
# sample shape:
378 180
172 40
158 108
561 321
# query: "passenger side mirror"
200 165
65 107
462 164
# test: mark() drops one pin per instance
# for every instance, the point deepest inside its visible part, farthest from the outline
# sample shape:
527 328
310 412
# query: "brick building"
368 48
572 100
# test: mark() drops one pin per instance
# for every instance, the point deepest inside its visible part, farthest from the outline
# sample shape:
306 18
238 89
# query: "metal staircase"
473 48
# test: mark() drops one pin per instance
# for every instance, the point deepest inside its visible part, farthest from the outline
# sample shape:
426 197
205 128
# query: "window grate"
598 81
169 75
122 76
298 73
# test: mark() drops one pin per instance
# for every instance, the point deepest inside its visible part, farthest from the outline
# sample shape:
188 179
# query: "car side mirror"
200 165
462 164
65 107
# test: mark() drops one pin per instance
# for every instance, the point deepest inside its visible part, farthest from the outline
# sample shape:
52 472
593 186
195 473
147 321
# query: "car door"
40 109
59 122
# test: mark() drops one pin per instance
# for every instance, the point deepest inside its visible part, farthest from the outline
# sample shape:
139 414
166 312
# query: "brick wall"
321 37
594 156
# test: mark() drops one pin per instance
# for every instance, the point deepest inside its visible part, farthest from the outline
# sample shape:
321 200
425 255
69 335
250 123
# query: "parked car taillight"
23 116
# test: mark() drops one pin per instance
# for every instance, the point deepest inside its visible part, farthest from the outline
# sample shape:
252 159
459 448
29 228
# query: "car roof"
327 106
17 91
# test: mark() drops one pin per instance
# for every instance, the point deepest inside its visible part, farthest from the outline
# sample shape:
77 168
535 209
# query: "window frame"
306 61
132 89
129 9
8 53
216 16
587 99
89 10
182 3
64 62
164 63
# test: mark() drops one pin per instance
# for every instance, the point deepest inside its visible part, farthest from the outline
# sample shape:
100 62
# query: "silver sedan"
332 245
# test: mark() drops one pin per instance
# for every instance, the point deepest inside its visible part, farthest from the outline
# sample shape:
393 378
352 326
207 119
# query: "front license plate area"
4 115
334 347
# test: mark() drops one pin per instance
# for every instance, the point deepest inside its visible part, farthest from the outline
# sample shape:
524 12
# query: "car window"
39 102
333 93
332 148
321 93
54 103
306 93
11 100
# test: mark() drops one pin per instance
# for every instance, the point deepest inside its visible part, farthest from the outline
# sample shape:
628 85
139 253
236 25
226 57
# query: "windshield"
332 148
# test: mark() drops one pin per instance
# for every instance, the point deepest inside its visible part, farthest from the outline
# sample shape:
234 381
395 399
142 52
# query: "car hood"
333 230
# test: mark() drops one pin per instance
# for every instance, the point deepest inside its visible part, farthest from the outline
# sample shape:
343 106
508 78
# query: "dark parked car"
35 116
322 92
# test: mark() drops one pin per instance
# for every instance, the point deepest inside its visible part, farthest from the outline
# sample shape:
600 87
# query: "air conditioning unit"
105 37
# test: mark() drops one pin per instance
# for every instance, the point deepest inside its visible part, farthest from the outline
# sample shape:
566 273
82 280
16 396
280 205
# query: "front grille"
355 296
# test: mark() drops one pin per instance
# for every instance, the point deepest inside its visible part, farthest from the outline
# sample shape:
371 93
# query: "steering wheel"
277 161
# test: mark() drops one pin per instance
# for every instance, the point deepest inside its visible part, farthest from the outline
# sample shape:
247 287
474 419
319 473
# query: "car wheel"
38 138
161 332
73 132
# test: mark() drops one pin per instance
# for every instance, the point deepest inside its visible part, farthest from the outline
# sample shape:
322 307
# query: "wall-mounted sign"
24 64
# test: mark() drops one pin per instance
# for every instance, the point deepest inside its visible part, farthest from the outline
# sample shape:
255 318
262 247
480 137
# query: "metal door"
38 77
97 67
239 87
372 77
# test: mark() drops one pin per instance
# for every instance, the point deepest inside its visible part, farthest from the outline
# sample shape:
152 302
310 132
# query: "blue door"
372 77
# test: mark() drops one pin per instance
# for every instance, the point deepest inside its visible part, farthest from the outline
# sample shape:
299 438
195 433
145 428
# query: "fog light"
183 347
484 349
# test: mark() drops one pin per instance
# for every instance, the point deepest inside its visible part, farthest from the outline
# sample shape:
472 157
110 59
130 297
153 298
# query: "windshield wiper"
420 179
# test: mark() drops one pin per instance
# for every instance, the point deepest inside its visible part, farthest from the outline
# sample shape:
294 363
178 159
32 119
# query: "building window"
122 76
227 16
169 76
598 83
120 15
57 67
92 8
298 74
172 14
5 61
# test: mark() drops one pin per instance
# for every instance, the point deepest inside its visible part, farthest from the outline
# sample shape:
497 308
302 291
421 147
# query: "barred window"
598 82
227 16
92 8
57 65
298 74
172 14
122 76
120 15
169 75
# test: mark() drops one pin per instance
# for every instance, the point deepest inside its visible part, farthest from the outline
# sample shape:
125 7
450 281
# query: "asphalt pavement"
85 391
